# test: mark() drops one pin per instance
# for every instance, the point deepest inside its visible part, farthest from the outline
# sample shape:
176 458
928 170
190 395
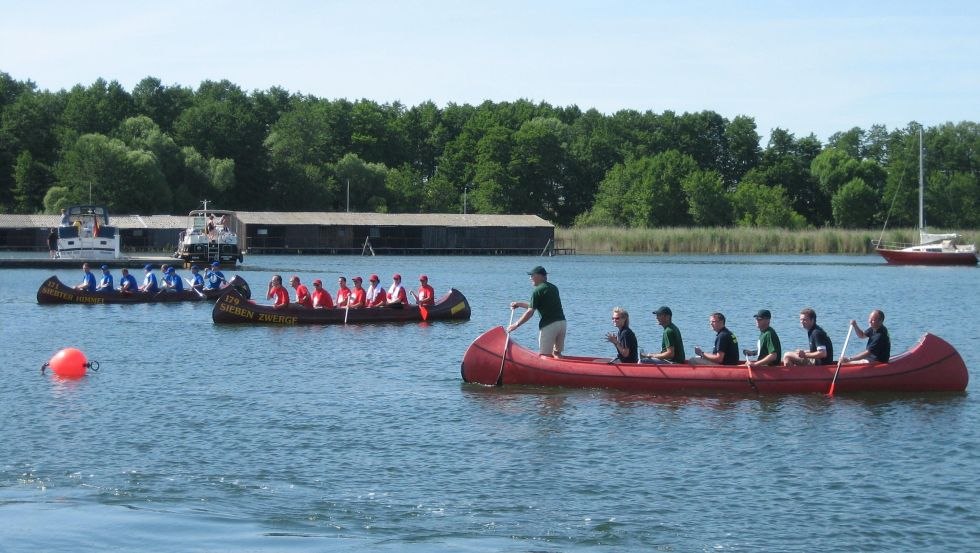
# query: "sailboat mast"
922 218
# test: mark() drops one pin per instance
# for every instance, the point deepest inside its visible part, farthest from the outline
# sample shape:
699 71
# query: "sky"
806 67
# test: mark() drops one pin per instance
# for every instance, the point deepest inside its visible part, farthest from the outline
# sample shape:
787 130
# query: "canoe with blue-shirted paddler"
53 291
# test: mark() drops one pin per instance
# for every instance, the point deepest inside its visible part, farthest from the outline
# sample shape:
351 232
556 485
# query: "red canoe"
933 365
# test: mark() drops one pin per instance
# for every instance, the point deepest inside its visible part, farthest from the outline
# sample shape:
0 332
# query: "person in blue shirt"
127 283
172 281
88 279
214 277
105 285
197 281
149 281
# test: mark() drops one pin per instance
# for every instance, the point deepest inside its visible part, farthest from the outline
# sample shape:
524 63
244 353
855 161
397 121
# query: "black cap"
663 310
763 314
539 270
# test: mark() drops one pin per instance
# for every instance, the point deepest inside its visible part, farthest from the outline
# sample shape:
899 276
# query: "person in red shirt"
321 298
277 291
396 292
343 293
376 296
302 292
358 295
426 295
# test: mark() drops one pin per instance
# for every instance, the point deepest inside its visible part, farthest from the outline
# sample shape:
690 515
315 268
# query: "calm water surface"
197 437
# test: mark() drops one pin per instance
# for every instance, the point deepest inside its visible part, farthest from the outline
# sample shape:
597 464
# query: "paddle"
422 309
191 285
503 356
346 309
840 360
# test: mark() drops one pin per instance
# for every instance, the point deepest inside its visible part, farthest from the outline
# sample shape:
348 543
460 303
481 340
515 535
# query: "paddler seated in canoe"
127 283
725 351
278 292
358 295
375 295
197 281
88 280
321 298
624 340
172 282
426 295
821 350
105 284
343 292
303 298
150 285
396 293
768 349
671 345
879 346
213 277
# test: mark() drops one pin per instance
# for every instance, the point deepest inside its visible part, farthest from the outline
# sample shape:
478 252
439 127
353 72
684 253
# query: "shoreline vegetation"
731 240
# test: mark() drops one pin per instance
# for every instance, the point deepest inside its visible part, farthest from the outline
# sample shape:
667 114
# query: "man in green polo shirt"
544 298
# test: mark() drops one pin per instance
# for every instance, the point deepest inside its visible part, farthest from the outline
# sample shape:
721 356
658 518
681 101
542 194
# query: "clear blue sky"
808 67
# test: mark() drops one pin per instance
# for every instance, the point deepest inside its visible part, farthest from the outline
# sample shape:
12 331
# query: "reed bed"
730 240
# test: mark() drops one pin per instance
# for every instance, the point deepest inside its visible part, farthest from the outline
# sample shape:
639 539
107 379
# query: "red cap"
317 282
423 277
356 279
396 276
374 277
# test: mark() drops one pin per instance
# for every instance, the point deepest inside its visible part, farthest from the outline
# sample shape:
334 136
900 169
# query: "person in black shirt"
821 349
625 340
879 346
725 351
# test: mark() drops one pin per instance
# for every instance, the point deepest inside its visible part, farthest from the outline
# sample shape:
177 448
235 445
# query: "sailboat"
932 249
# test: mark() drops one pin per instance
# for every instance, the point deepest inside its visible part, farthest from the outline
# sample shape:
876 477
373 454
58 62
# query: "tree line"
163 149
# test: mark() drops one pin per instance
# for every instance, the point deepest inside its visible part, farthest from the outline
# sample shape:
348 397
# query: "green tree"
656 196
366 181
707 199
31 182
759 205
854 204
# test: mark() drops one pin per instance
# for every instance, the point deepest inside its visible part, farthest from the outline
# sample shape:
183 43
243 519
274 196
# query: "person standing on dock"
88 280
546 299
105 285
52 244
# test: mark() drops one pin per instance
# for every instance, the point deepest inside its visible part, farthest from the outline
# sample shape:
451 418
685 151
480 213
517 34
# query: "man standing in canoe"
821 351
672 344
768 349
552 326
879 346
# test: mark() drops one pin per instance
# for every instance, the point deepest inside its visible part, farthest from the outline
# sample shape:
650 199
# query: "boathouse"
266 232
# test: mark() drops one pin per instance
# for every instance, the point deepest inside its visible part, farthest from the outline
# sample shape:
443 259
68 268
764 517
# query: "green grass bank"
734 240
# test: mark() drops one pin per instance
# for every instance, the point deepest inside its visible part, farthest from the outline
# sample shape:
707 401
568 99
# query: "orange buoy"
68 363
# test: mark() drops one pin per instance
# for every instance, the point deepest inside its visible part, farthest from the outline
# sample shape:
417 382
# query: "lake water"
198 437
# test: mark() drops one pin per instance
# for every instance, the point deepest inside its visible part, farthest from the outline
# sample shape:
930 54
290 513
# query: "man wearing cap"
105 285
768 349
214 277
672 344
278 292
375 296
821 351
197 281
127 282
552 326
149 281
426 295
88 279
172 281
396 292
321 298
343 293
358 295
302 292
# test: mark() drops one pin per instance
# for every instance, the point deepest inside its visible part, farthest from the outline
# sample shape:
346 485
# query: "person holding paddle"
105 285
197 282
214 277
879 345
426 295
552 326
127 282
343 293
725 351
768 349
